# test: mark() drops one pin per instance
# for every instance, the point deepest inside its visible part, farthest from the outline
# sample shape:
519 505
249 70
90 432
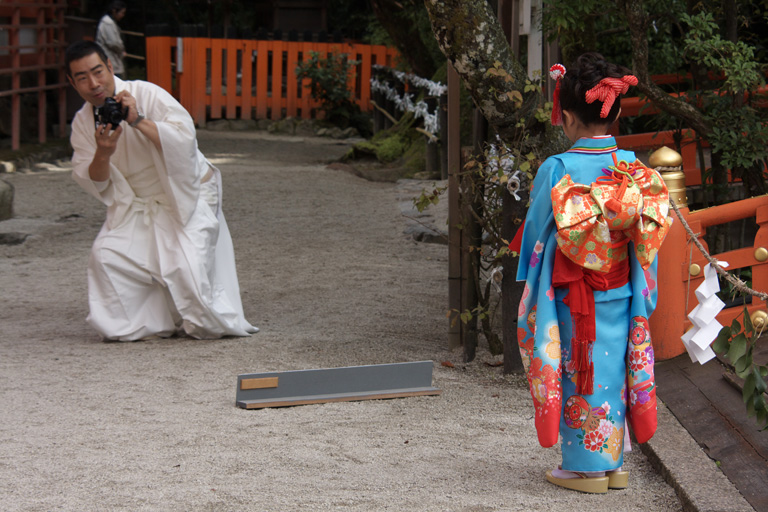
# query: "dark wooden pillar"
454 211
511 290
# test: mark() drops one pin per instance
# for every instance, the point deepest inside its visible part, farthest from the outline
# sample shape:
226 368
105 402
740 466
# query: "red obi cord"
582 283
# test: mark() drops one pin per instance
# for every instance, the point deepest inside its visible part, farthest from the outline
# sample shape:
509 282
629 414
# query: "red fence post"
291 81
246 79
262 70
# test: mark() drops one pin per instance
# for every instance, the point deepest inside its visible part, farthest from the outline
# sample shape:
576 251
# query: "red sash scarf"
582 283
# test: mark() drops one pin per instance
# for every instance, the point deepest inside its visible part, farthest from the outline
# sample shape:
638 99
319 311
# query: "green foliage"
739 135
592 25
390 149
427 198
385 149
329 78
736 61
738 346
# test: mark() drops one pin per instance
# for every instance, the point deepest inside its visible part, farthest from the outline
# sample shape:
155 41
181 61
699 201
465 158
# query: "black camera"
111 112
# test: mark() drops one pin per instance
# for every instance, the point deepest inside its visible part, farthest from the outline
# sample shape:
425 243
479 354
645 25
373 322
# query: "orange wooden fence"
251 79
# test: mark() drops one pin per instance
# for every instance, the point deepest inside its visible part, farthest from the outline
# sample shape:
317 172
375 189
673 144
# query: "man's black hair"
80 49
116 6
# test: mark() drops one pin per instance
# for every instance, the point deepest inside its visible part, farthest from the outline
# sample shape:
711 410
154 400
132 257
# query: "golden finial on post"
669 164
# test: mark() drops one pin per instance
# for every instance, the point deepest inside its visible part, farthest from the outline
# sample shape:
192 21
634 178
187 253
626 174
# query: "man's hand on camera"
106 139
129 102
106 144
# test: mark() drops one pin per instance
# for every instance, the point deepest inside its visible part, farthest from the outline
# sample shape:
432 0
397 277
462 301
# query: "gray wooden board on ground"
302 387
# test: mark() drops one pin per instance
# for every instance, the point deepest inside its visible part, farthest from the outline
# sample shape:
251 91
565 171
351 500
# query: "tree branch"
637 20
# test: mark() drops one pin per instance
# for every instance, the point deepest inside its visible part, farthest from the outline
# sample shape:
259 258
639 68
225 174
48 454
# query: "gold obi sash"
596 222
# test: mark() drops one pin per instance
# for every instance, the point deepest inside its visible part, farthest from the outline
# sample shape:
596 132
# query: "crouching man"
163 261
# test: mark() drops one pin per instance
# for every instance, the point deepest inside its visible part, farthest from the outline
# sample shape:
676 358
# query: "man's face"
93 79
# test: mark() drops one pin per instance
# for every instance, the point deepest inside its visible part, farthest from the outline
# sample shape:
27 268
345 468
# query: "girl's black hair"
580 77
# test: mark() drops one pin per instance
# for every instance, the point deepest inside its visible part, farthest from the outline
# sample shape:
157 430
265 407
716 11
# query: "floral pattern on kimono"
599 427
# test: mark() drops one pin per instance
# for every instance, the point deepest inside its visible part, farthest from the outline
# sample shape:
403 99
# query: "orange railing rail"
680 264
681 270
251 79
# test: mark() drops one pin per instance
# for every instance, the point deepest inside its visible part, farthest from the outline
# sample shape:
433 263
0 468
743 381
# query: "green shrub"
329 77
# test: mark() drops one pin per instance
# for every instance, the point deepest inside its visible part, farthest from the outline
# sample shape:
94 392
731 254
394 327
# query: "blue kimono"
592 426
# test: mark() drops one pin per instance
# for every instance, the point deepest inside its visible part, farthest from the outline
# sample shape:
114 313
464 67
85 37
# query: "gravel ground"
329 276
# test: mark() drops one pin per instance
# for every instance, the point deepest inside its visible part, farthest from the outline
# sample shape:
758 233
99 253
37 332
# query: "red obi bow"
594 221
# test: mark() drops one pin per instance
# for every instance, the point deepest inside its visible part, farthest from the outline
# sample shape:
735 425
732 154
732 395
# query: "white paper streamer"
405 103
705 326
500 157
496 277
434 88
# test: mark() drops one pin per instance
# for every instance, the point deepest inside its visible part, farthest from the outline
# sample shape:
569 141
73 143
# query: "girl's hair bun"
582 76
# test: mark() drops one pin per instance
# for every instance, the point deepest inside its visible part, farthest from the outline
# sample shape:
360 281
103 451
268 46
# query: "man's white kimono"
163 260
111 41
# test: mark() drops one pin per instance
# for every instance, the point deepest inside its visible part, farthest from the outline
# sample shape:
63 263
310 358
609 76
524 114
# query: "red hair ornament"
607 90
556 72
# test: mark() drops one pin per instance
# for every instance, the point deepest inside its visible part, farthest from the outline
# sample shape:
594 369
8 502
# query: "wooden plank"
233 46
713 413
217 97
356 398
276 101
306 93
13 41
246 80
262 72
201 76
191 95
454 215
365 77
291 81
260 383
379 55
299 387
158 69
324 50
348 50
393 57
42 124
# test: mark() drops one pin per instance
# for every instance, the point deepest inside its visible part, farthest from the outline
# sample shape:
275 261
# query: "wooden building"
32 44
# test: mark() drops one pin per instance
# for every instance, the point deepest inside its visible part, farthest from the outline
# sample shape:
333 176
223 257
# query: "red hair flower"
556 72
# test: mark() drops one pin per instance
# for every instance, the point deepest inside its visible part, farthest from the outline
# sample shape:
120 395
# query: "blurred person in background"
109 38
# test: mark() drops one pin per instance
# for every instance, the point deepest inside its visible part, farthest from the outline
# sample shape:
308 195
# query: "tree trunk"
730 10
471 37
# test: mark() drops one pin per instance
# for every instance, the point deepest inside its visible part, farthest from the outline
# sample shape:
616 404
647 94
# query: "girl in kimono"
596 220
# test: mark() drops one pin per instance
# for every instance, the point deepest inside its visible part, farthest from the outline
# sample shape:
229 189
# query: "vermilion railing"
251 79
680 270
680 267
